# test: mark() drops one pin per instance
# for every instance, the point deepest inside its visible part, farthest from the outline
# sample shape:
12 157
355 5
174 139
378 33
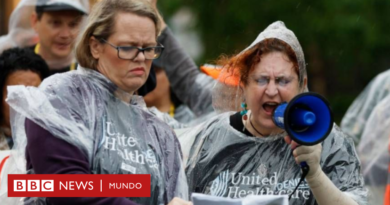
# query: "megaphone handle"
305 168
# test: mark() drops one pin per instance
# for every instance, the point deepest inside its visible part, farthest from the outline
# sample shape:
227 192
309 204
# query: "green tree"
345 42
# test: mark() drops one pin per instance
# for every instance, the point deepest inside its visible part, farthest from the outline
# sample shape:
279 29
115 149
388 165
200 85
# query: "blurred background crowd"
346 42
346 48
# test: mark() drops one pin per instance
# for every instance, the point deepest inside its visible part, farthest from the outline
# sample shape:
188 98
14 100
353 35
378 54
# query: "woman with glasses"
91 121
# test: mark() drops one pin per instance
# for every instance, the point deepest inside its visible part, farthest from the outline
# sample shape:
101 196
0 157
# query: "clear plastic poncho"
87 110
374 151
357 115
225 162
21 34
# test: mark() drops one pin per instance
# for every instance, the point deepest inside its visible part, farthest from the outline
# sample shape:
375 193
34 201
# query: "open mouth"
269 107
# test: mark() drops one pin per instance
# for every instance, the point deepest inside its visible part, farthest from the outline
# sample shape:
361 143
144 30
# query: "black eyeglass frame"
139 50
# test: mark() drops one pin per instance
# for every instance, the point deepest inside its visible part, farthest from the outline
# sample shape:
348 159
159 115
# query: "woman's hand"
178 201
323 189
309 154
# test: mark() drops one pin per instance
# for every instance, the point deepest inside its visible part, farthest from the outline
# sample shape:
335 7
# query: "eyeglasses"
131 52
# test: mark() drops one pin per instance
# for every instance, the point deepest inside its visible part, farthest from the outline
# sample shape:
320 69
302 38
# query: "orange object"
222 75
211 70
387 193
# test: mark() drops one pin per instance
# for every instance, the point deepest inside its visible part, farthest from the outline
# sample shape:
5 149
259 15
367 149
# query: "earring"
244 111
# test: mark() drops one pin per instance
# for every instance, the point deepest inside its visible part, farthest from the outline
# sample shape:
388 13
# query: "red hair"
244 63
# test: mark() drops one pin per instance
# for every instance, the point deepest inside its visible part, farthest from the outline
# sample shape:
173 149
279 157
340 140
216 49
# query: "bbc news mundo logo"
79 185
33 185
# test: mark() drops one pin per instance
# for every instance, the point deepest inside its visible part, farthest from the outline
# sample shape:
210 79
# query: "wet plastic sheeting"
355 119
374 150
114 130
225 162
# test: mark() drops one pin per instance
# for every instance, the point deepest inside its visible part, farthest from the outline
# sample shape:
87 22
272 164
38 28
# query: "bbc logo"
33 185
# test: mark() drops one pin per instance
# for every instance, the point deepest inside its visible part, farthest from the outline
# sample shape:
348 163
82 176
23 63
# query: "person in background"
20 33
374 154
58 24
183 91
164 99
17 67
356 117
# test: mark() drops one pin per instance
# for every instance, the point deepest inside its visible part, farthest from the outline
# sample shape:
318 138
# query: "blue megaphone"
307 118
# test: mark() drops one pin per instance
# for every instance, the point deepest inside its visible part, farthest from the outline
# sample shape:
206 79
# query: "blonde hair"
101 22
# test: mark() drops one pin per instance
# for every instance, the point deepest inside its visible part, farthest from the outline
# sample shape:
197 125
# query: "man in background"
58 23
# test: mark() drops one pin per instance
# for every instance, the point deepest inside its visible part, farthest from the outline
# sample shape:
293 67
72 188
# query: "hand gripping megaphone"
307 119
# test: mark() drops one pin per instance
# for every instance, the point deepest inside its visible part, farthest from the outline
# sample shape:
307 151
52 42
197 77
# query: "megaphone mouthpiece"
303 117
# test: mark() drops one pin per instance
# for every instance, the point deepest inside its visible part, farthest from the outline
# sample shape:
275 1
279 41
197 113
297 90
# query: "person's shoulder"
338 141
384 74
214 121
210 128
65 80
337 135
71 87
381 79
